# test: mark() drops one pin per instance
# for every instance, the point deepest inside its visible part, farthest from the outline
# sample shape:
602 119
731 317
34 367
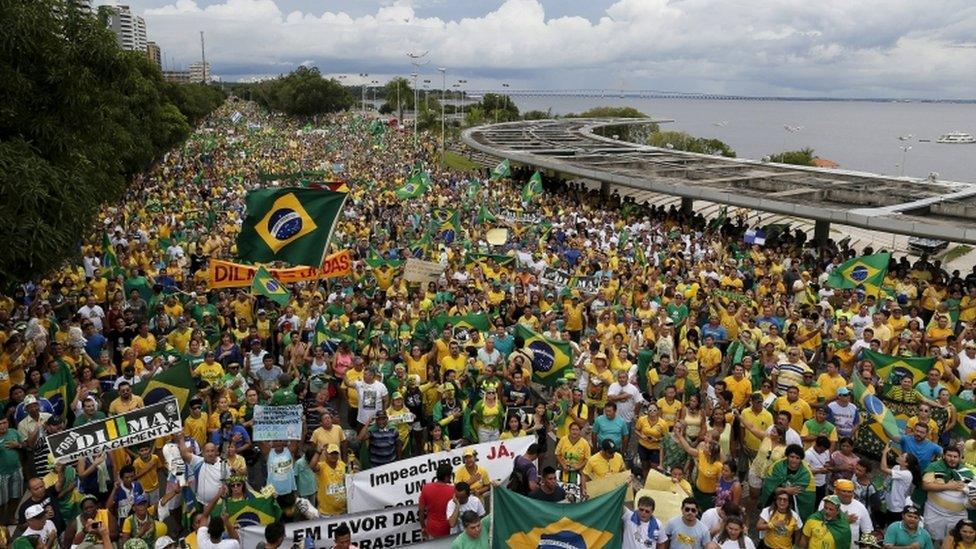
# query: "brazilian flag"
965 416
499 259
421 246
880 424
532 188
474 186
176 381
550 358
416 186
867 271
59 389
645 359
249 512
329 339
375 260
110 262
445 219
518 521
485 215
501 171
289 224
892 369
462 324
266 285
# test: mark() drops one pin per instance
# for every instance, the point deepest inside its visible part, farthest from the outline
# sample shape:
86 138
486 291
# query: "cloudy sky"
839 48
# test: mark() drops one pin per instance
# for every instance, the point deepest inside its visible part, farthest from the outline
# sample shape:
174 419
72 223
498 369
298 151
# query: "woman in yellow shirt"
709 457
572 453
650 429
513 428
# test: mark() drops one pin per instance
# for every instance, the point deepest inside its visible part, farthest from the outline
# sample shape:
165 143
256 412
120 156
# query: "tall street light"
415 60
374 83
443 71
461 84
364 75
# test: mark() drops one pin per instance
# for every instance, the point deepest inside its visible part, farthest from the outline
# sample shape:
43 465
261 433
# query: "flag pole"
491 523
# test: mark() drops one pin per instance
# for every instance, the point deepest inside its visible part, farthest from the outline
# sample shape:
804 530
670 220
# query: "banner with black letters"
383 528
129 429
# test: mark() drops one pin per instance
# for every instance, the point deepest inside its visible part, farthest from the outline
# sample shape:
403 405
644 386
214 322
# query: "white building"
199 75
129 29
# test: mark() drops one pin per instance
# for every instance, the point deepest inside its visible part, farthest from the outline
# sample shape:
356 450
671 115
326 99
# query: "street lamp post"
443 71
364 75
417 63
462 83
375 83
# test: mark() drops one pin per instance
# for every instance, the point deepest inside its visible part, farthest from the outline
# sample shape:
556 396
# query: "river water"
858 135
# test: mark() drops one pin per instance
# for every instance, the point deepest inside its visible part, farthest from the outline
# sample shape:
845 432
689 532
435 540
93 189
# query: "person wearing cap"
230 432
475 476
330 473
856 513
165 542
140 524
384 439
827 527
906 532
37 524
605 462
946 482
843 414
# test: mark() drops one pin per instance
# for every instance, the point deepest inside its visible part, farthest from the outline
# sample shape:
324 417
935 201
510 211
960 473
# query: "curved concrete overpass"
930 209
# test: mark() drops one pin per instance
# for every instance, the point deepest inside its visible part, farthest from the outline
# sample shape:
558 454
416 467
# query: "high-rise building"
198 74
179 77
154 54
129 29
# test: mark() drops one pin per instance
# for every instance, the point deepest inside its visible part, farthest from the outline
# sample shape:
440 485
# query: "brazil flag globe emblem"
564 533
543 357
860 272
285 222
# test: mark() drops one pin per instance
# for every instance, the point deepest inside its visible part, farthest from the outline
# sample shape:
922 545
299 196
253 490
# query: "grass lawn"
457 162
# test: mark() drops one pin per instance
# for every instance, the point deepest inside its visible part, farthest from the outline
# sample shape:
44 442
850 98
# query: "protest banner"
732 296
277 423
554 277
395 527
226 274
136 427
512 216
417 270
399 483
588 284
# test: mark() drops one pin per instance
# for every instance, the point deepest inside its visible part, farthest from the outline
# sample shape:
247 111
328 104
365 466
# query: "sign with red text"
399 483
226 274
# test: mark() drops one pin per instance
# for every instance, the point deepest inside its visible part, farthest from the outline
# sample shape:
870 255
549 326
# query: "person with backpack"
525 474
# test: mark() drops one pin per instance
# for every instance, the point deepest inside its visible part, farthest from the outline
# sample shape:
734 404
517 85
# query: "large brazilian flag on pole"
550 357
289 224
518 521
867 271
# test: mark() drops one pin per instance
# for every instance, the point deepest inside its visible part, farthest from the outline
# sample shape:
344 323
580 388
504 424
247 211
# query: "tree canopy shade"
684 142
303 92
78 117
609 112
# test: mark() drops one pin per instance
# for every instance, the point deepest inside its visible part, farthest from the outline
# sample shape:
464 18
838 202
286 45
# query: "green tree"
79 118
399 96
684 142
802 157
537 115
303 92
609 112
498 108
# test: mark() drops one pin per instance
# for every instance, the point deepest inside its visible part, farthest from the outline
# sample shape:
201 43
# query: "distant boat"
957 138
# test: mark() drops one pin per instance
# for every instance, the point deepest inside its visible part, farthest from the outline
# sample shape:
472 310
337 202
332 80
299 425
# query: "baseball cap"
843 391
396 395
141 499
332 448
910 509
608 445
30 399
226 417
833 499
164 542
34 511
470 452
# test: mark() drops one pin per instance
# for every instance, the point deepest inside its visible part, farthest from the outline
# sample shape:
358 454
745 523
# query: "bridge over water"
931 209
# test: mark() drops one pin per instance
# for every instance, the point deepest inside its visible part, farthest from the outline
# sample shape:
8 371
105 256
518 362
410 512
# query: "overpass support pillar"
604 189
821 232
687 206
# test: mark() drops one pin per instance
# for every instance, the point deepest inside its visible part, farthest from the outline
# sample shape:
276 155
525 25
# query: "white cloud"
783 46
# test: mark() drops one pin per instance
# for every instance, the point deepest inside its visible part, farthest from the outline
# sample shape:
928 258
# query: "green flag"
470 321
965 417
376 261
879 424
550 358
416 186
266 285
867 271
532 188
110 262
485 215
518 521
249 512
59 389
498 259
445 219
501 171
645 359
289 224
176 381
891 369
474 186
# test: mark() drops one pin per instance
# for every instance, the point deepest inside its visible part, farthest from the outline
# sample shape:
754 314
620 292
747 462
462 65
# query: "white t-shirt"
209 476
967 366
817 461
636 535
729 544
792 437
901 487
711 519
203 541
45 533
370 399
625 408
473 504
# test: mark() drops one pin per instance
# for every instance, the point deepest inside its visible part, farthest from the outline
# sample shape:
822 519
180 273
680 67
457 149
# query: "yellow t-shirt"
740 390
709 360
669 412
576 455
654 432
211 373
161 529
149 481
829 385
708 474
463 475
598 466
352 395
321 437
417 366
452 363
761 420
331 488
782 526
799 411
197 428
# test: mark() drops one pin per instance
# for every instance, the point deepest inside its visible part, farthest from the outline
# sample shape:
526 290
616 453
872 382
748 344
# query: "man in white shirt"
93 312
209 536
641 527
967 362
38 525
462 501
489 355
855 511
373 395
783 418
817 457
626 395
207 472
